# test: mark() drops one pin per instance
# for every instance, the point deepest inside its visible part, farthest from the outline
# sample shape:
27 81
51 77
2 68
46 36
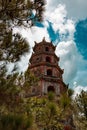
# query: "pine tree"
80 107
14 13
13 104
19 12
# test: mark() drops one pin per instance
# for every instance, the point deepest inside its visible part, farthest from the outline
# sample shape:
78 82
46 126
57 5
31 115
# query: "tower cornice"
45 53
46 64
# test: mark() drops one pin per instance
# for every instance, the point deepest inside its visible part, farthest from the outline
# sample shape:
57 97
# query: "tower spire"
44 39
35 42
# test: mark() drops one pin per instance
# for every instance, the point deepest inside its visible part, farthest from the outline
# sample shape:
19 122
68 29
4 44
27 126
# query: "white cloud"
39 33
60 22
78 89
33 34
76 8
57 16
73 63
81 77
68 59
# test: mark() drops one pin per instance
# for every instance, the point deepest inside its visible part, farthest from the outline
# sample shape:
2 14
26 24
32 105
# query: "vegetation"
80 108
15 13
14 110
18 110
19 12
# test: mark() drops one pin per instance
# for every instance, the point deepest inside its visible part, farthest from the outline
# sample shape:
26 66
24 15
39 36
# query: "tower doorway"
50 89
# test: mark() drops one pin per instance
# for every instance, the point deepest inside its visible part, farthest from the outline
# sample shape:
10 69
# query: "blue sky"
65 23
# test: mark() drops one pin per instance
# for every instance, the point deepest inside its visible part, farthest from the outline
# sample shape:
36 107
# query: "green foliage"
8 88
65 101
34 112
15 122
15 13
13 47
18 11
80 108
81 102
47 114
30 78
51 96
52 108
70 92
13 87
11 121
16 111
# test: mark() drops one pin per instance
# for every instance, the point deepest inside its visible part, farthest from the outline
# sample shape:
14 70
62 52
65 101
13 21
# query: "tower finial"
43 39
35 42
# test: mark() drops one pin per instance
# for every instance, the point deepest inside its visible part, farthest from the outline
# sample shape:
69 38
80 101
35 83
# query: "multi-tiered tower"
44 64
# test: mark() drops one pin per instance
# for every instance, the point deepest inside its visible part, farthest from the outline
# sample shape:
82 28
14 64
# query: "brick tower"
44 64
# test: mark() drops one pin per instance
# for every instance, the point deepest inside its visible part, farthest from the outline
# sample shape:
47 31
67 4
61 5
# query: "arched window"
48 59
50 89
47 49
49 72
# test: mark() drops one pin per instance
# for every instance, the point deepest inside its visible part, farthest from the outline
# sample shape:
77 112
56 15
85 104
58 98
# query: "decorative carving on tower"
44 64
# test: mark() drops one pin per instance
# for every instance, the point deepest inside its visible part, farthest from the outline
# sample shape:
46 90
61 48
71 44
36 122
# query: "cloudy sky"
65 24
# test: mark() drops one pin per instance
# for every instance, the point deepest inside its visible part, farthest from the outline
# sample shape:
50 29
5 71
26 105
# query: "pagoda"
45 65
